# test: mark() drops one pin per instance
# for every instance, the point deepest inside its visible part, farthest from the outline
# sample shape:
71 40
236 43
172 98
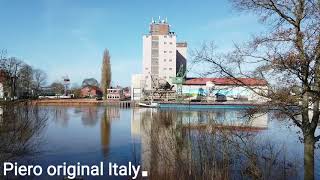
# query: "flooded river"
169 143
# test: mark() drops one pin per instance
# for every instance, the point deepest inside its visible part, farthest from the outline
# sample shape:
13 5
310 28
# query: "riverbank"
131 103
66 102
79 102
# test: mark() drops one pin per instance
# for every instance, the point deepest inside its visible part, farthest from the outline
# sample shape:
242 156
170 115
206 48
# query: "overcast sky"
68 37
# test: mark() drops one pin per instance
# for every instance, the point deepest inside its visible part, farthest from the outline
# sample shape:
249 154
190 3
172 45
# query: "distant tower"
66 83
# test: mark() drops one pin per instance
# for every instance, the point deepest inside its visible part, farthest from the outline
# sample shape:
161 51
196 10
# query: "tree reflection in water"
211 145
89 115
105 132
110 113
20 130
59 114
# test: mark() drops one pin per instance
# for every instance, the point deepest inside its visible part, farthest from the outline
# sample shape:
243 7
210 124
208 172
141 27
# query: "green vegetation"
105 72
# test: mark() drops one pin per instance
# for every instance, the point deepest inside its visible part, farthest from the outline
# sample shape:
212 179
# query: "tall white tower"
159 54
162 58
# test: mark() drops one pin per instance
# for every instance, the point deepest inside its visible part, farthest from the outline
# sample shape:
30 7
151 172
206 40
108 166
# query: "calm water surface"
173 144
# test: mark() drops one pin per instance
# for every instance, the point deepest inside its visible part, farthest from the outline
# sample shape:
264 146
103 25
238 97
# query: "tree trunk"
309 143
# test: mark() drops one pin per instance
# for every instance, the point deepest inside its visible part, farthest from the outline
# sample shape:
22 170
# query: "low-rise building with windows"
115 94
225 89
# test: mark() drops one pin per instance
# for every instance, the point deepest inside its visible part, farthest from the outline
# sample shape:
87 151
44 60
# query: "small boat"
149 105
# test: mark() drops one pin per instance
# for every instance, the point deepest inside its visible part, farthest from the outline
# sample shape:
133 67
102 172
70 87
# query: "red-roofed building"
91 91
226 81
225 89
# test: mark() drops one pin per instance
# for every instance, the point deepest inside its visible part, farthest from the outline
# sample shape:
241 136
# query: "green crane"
179 80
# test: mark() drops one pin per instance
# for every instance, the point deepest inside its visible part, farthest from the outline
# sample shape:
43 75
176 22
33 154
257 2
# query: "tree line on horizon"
20 79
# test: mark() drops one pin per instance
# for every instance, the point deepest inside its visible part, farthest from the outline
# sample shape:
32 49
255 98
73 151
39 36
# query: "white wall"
232 91
167 61
137 84
1 90
183 51
166 58
146 62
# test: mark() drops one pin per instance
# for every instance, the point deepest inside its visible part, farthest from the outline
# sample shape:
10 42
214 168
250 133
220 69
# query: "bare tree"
25 81
75 90
90 82
209 146
19 77
39 79
57 87
11 67
106 72
287 56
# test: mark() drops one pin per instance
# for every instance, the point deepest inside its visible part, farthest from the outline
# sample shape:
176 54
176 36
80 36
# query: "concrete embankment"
79 102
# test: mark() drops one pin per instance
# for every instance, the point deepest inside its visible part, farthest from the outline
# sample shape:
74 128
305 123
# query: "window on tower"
155 44
155 38
155 52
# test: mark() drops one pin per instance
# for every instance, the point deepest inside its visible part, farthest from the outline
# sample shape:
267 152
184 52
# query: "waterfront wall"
79 102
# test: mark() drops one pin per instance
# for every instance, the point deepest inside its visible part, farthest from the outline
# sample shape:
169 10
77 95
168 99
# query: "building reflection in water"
220 144
59 115
89 115
224 118
113 112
